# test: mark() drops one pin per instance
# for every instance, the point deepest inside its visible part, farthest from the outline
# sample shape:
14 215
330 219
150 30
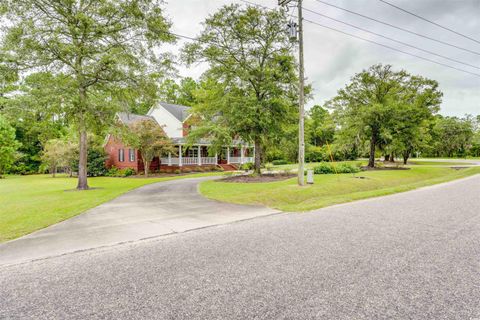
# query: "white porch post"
242 151
228 155
169 159
180 155
199 155
216 158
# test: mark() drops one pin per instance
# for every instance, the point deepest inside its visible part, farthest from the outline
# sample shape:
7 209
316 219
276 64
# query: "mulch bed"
269 177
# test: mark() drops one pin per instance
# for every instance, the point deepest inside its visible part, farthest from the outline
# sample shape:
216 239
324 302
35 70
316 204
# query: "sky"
332 58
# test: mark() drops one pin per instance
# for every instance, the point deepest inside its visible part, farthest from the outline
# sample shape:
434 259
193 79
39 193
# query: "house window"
131 155
121 155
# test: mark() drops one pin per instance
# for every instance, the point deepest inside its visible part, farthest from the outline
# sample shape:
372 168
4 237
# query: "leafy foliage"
104 52
249 89
149 139
329 168
8 145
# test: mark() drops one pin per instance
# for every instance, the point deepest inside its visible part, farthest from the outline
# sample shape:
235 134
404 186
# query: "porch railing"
188 161
209 160
239 159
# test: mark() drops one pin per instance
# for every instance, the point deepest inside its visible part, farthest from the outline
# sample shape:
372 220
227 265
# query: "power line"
377 43
429 21
399 28
391 39
394 49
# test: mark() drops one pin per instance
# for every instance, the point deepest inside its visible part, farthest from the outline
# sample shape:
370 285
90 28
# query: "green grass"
29 203
330 189
437 163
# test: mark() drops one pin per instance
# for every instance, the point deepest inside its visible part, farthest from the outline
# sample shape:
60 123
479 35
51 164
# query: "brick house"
174 120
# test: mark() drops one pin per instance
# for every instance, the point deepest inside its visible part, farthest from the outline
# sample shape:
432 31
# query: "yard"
29 203
331 189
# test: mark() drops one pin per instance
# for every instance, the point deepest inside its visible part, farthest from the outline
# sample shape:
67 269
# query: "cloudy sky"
331 58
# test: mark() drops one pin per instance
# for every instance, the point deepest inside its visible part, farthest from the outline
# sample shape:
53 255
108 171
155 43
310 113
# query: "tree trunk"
82 161
146 167
387 157
373 142
54 170
83 147
258 157
406 155
392 157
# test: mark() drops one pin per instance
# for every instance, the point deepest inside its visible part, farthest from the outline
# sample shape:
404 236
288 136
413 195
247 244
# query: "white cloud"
332 58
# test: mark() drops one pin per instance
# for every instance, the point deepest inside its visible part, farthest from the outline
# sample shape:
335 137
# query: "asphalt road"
414 255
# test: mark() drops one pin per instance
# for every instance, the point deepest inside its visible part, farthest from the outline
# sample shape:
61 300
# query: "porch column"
180 155
242 151
228 155
216 158
169 159
199 155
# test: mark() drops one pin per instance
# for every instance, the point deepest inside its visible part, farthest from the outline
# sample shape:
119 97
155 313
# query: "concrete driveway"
150 211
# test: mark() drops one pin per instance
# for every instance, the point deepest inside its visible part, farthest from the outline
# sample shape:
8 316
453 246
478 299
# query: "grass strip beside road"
330 189
30 203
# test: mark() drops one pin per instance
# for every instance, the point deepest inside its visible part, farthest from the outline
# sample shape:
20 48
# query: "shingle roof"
178 111
130 118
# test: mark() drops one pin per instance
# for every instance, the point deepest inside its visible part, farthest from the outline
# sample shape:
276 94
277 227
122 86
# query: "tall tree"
452 136
364 106
8 145
415 106
100 46
320 127
251 75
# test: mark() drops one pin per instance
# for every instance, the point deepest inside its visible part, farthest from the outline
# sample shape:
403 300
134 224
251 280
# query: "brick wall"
112 148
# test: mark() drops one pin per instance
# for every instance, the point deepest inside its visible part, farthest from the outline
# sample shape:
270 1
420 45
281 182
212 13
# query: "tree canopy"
249 89
98 49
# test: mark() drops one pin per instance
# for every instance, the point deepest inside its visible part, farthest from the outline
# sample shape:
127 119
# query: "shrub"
115 172
279 162
127 172
347 168
96 162
177 171
329 168
323 168
218 168
112 172
247 166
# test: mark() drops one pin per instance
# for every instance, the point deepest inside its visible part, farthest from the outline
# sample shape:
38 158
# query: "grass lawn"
436 163
330 189
29 203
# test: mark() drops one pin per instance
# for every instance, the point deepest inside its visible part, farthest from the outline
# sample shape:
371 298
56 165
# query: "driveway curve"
150 211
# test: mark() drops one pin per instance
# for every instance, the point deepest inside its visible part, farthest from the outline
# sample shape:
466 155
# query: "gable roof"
131 118
180 112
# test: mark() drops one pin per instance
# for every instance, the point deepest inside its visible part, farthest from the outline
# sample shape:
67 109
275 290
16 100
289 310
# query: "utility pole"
301 88
301 101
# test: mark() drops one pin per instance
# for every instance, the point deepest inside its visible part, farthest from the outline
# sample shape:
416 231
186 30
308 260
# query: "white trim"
180 155
199 155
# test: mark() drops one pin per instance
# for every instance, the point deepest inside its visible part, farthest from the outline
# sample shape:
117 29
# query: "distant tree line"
65 70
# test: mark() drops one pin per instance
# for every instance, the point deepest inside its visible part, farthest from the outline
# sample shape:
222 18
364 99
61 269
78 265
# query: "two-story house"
174 120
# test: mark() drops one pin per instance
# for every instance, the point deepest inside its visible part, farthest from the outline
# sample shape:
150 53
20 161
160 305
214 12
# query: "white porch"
198 156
